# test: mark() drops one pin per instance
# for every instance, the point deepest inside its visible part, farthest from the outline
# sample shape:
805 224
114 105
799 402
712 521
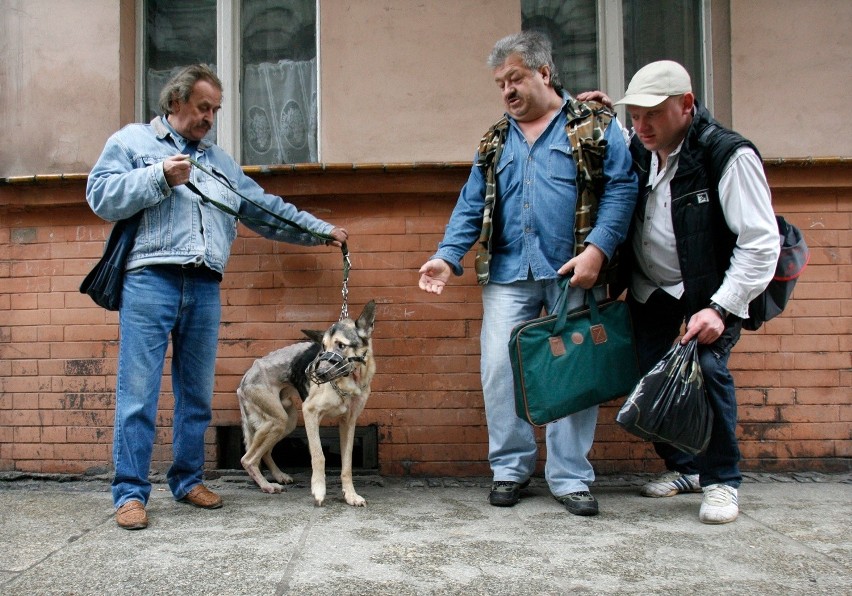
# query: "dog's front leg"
312 429
347 439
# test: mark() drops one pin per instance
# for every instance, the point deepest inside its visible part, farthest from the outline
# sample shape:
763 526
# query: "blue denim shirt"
536 200
176 226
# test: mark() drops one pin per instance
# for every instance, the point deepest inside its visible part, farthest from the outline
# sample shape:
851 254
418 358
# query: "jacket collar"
163 129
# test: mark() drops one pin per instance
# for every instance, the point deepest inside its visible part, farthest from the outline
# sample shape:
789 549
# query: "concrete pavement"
425 536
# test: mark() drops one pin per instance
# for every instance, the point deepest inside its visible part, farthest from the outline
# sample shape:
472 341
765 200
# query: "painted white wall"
791 76
59 84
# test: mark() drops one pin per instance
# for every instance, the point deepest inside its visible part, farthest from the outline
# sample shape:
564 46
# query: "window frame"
611 52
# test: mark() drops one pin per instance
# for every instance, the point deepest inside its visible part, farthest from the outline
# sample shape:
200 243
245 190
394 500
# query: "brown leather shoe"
203 497
132 516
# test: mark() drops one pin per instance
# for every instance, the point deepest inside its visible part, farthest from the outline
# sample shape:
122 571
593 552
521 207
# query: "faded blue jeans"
158 302
512 450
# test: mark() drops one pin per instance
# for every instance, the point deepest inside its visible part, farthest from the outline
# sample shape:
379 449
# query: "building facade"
367 113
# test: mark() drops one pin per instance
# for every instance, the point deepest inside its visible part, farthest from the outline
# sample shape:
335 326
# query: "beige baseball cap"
655 82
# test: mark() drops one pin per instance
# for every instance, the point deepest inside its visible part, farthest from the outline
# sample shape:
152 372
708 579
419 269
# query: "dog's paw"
283 478
355 499
318 491
272 488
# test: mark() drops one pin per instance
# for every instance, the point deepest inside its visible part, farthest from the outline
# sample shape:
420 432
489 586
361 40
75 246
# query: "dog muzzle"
328 366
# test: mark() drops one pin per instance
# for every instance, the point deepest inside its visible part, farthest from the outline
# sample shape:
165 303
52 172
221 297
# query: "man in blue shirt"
171 284
532 246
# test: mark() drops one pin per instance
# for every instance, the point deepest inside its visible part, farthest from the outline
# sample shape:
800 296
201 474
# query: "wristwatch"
722 312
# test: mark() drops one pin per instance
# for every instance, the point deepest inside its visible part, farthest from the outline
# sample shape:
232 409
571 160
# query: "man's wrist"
719 309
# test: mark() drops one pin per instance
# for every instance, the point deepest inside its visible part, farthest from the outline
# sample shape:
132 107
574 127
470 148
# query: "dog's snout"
328 366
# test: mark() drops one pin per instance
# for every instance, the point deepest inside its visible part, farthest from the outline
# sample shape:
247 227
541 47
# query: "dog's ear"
314 336
365 322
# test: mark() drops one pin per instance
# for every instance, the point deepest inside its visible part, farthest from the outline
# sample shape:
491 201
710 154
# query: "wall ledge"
307 180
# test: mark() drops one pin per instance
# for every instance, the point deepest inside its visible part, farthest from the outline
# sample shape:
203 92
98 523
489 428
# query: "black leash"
347 263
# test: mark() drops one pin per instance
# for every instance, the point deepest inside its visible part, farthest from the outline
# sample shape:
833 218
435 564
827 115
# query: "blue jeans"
656 324
157 302
512 449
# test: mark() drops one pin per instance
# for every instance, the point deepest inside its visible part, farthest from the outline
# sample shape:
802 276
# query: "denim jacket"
176 226
536 200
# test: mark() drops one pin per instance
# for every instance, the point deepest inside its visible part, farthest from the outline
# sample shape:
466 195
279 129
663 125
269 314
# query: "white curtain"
279 113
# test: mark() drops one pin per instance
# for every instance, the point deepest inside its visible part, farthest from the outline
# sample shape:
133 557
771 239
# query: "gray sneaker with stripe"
671 483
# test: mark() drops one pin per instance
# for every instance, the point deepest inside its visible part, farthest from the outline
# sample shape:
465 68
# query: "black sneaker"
579 503
505 493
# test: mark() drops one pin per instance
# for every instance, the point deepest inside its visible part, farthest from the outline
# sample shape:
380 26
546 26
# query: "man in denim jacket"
533 245
171 285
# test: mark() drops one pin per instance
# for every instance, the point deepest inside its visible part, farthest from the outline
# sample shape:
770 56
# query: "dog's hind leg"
266 437
269 421
276 472
347 438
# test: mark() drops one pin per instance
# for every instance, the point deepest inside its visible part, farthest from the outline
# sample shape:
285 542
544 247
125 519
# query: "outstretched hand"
434 275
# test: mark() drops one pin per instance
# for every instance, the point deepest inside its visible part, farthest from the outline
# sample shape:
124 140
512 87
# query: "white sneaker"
720 505
671 483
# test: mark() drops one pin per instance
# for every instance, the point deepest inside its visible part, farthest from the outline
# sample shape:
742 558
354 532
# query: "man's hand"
340 236
176 169
586 267
706 325
434 275
599 96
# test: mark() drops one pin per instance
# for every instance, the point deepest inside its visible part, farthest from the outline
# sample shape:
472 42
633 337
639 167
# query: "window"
600 44
265 53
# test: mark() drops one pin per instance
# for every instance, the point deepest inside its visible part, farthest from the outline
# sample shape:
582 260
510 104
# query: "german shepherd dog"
331 375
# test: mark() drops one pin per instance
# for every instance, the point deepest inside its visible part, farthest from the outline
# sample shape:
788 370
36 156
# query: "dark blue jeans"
657 324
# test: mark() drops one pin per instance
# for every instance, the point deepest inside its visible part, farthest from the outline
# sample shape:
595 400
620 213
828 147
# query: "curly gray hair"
533 47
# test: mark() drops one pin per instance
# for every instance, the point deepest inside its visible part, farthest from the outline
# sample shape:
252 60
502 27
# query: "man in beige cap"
704 244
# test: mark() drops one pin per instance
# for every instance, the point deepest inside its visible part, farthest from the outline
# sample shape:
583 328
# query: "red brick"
793 376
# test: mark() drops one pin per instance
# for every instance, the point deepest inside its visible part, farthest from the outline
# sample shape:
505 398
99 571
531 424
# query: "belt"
194 270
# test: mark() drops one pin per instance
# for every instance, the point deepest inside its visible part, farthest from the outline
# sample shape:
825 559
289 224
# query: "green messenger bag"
572 360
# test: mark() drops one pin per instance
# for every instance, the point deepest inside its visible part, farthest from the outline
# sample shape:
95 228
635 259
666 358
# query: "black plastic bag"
669 404
105 280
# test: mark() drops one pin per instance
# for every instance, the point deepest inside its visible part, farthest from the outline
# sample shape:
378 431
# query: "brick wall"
58 350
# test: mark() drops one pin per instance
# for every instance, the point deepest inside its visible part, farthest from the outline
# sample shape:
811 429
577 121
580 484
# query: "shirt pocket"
560 164
506 159
155 220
